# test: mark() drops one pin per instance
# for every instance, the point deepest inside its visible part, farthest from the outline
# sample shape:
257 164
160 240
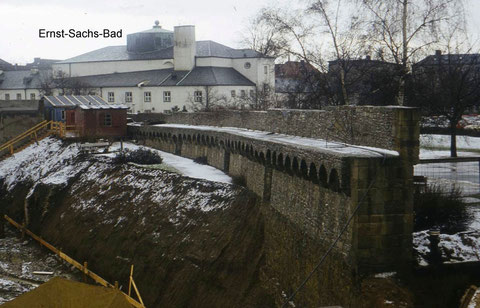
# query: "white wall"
212 61
180 96
184 48
109 67
256 71
22 92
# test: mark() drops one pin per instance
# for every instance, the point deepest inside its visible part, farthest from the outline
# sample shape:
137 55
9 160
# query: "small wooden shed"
88 116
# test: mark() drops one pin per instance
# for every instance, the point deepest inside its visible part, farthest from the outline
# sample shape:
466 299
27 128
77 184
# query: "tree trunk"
346 100
401 88
453 140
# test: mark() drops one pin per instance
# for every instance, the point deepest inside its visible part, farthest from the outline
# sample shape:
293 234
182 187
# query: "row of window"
167 96
19 96
243 93
147 97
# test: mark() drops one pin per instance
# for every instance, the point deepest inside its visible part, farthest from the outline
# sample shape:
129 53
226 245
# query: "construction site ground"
20 258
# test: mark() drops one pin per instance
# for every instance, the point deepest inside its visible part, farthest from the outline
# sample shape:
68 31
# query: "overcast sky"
218 20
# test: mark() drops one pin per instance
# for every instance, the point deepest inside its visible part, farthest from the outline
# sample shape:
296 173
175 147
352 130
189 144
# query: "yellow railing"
51 127
83 268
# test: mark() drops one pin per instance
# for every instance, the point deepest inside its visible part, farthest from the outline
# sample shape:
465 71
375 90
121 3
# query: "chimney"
184 49
438 53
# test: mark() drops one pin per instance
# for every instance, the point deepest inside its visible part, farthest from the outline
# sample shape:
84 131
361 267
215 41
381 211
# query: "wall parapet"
388 127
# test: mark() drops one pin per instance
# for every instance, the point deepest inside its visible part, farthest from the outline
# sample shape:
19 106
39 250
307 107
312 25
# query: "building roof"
294 69
456 59
11 80
4 65
81 101
120 53
155 29
366 62
199 76
215 76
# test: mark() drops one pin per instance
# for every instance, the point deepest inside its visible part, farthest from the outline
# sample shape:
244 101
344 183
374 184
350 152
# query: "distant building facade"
160 70
24 82
367 81
21 84
157 71
296 83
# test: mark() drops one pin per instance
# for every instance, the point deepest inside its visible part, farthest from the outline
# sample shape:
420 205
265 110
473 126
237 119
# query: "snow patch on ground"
45 162
455 248
385 275
186 166
475 299
443 141
421 245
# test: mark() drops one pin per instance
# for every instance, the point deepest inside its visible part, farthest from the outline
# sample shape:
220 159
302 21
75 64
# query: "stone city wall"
317 191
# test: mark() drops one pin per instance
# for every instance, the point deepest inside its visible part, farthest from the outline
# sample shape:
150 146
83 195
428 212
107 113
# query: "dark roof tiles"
453 59
199 76
11 80
204 49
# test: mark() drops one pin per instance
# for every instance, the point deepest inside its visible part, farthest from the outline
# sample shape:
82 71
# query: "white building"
20 85
160 70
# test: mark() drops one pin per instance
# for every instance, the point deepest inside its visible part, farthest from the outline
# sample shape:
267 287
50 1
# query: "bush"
139 156
436 208
202 160
239 180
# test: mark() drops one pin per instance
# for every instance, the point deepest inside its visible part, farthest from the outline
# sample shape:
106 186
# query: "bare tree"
401 29
46 83
262 37
347 40
314 33
211 100
448 84
63 84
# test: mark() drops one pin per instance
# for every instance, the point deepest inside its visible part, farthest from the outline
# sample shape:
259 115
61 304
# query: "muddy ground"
19 258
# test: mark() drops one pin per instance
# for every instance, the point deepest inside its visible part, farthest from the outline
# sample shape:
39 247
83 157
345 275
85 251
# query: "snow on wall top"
319 145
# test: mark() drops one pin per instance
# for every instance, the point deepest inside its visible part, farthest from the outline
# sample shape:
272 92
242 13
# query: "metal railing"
462 173
34 134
